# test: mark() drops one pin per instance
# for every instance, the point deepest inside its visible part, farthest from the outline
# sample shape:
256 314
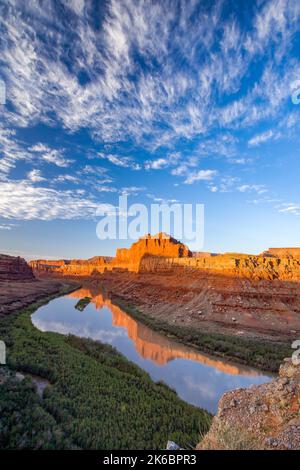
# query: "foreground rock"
262 417
19 288
14 268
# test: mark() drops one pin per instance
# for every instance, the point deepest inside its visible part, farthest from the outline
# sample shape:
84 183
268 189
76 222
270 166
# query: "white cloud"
67 178
22 200
49 155
157 164
132 190
35 176
290 208
201 175
7 226
125 162
260 138
213 189
160 105
258 188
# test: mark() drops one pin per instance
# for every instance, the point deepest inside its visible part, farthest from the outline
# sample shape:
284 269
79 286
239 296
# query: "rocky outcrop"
283 252
73 267
14 268
162 254
245 266
160 245
262 417
129 259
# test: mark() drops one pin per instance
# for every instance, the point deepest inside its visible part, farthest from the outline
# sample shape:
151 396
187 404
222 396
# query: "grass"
227 437
97 398
265 355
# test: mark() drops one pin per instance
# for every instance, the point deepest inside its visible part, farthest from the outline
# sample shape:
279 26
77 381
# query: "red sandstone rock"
282 252
153 245
14 268
163 254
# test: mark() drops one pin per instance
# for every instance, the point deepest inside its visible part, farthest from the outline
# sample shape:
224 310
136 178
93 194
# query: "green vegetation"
266 355
82 303
97 399
25 423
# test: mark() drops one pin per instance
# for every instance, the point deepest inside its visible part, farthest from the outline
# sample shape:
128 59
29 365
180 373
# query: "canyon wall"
164 254
14 268
73 267
254 267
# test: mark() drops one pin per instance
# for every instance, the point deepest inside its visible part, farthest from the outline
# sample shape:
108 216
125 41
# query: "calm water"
198 378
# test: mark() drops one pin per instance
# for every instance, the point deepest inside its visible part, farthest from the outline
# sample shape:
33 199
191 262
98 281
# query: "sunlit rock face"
14 268
73 267
283 252
162 253
158 245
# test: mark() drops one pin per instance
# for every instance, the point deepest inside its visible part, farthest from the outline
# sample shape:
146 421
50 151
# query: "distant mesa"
130 259
162 253
282 253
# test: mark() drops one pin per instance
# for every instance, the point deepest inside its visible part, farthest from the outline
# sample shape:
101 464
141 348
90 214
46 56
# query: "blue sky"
187 101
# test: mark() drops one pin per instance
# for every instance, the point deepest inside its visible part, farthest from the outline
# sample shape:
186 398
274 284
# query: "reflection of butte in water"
154 346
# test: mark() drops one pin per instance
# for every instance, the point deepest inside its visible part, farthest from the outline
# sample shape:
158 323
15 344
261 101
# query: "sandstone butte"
163 254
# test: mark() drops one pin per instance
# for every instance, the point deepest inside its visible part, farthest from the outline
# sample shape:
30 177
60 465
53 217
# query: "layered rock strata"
14 268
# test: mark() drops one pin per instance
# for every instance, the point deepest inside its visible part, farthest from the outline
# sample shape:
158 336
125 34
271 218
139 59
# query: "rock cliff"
262 417
73 267
162 253
283 252
161 245
14 268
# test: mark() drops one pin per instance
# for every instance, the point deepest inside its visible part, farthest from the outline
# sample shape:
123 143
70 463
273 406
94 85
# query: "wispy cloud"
258 188
35 176
151 80
124 162
175 98
263 137
7 226
201 175
21 200
49 155
290 208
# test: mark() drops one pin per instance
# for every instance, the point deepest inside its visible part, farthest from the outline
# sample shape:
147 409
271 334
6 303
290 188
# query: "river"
198 378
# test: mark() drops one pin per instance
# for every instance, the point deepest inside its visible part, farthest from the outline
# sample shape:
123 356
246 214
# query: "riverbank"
264 354
97 399
19 294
